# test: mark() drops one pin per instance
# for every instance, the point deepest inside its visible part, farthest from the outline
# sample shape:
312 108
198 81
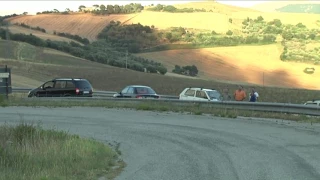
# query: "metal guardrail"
95 93
253 106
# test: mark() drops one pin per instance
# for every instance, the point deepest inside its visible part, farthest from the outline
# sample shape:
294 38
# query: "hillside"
272 6
300 8
89 26
33 71
18 29
84 25
252 64
249 61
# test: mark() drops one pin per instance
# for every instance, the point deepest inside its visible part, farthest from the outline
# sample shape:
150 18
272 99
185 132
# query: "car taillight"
139 97
77 90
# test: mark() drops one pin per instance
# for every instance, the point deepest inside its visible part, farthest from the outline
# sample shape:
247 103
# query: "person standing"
255 93
240 94
253 97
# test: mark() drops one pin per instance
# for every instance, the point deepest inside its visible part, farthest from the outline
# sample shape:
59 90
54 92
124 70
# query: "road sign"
4 75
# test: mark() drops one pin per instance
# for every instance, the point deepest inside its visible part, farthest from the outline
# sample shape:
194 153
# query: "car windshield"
214 94
145 90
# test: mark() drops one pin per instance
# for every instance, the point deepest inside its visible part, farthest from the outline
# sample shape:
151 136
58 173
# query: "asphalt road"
169 146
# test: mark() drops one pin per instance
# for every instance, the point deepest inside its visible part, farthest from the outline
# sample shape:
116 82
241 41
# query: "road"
172 146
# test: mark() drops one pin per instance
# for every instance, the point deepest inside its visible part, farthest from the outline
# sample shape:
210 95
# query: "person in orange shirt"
240 94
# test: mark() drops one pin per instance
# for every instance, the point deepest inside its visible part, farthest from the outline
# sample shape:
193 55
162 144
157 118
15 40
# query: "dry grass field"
18 29
251 64
84 25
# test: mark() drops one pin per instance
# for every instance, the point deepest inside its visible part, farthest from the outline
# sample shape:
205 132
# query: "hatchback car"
200 94
62 87
137 91
313 103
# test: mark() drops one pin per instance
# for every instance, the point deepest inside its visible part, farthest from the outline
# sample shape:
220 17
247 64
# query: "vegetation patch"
172 9
194 108
30 152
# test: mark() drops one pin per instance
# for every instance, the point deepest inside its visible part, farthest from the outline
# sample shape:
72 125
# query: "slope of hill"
301 8
84 25
18 29
212 6
271 6
89 26
32 71
252 64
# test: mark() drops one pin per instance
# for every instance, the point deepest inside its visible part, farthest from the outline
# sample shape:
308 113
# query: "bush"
229 33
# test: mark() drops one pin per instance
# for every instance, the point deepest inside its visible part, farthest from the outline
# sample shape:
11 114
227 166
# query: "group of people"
240 95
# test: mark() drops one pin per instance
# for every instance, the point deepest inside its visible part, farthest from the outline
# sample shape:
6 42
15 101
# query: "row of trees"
172 9
74 37
112 9
30 27
99 51
186 70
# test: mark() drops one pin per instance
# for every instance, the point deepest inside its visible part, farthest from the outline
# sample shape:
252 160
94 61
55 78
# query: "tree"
25 13
117 9
230 20
110 9
102 7
312 36
260 19
229 33
96 6
81 7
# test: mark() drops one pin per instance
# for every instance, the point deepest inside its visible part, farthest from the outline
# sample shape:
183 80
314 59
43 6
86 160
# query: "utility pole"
127 59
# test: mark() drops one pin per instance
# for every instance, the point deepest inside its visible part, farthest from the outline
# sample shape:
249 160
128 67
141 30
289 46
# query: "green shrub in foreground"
28 152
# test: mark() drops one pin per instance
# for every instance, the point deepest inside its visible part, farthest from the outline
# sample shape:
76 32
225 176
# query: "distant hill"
300 8
272 6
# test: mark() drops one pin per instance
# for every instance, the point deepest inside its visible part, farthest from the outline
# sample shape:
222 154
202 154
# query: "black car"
137 91
63 87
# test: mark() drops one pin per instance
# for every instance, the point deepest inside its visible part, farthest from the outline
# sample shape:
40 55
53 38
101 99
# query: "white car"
200 94
314 103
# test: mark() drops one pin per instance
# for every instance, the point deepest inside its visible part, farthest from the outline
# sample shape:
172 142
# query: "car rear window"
144 90
83 84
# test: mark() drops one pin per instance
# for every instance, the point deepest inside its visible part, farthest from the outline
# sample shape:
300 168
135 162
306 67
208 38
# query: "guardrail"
254 106
95 93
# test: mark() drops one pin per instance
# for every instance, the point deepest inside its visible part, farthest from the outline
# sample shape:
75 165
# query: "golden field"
85 25
252 64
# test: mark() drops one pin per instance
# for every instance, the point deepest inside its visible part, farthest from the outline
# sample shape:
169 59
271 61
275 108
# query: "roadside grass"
195 108
30 152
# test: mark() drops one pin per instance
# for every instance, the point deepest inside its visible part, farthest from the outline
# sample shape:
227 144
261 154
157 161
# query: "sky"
18 7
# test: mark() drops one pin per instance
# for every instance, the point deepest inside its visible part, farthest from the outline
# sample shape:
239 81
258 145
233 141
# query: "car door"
123 93
188 95
46 89
130 93
59 88
201 96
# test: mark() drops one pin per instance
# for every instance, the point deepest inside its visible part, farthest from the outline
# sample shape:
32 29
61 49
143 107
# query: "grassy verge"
165 106
30 152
